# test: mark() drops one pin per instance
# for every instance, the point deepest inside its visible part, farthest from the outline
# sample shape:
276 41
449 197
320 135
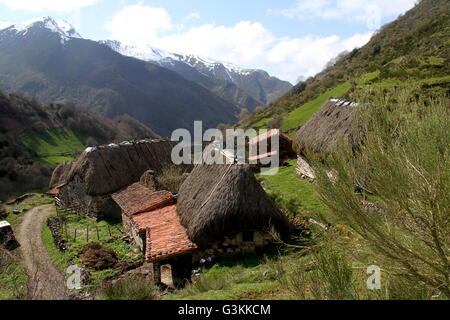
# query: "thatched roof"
219 200
107 169
331 123
60 175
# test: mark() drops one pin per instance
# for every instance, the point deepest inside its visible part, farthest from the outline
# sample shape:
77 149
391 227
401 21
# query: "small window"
247 236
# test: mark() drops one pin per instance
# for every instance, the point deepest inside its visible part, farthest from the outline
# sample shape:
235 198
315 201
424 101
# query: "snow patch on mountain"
64 29
202 64
146 53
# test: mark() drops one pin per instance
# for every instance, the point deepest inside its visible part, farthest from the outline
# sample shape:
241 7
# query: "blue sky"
288 38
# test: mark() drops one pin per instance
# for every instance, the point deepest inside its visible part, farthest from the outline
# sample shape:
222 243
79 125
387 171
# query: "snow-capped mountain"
205 65
60 27
257 83
48 60
146 53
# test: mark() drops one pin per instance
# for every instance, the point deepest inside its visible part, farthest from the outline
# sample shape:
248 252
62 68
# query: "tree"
275 123
340 57
301 78
259 109
91 142
403 162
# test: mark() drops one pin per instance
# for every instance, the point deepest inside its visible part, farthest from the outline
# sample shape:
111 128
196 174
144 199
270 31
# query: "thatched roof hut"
107 169
218 200
60 175
285 145
322 132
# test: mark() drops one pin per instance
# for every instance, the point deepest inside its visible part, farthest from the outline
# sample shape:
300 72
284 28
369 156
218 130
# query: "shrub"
131 288
404 163
209 282
171 178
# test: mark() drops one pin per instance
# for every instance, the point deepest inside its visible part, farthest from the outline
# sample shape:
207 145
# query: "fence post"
75 235
87 234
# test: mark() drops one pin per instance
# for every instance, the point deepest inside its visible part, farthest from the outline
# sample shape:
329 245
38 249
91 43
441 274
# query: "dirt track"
45 281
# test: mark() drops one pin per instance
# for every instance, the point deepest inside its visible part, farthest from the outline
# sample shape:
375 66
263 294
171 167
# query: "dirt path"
45 281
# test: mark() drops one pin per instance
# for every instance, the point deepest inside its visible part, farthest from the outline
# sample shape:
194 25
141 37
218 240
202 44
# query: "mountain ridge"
45 64
35 137
413 50
256 83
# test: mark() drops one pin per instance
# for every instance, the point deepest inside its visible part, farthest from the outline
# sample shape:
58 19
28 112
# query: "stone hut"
322 132
152 221
226 211
85 186
221 210
285 151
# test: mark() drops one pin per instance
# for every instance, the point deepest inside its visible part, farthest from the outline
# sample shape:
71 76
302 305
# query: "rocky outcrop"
304 170
7 238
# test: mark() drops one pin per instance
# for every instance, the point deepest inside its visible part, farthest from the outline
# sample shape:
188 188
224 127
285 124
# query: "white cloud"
192 16
243 43
247 44
53 5
362 11
138 24
308 55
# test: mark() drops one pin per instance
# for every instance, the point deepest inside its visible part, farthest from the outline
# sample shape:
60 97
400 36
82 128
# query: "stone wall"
304 169
131 229
235 244
74 198
55 225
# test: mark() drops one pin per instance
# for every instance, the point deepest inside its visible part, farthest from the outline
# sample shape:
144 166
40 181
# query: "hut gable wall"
133 230
75 199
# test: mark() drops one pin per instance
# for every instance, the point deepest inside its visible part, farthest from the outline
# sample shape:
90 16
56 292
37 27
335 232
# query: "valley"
356 207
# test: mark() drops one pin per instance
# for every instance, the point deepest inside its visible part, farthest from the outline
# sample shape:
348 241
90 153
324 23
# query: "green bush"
403 161
171 178
132 288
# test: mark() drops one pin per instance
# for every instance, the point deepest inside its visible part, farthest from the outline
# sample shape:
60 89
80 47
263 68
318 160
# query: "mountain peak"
142 52
61 27
149 53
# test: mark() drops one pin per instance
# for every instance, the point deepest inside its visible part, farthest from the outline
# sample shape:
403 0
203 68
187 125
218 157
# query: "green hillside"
414 50
35 138
54 146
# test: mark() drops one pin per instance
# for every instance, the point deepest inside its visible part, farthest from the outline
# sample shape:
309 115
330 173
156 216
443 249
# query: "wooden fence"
89 233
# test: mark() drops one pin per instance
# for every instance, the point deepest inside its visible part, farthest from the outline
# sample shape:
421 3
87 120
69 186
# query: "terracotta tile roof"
166 237
137 198
55 191
263 156
268 135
